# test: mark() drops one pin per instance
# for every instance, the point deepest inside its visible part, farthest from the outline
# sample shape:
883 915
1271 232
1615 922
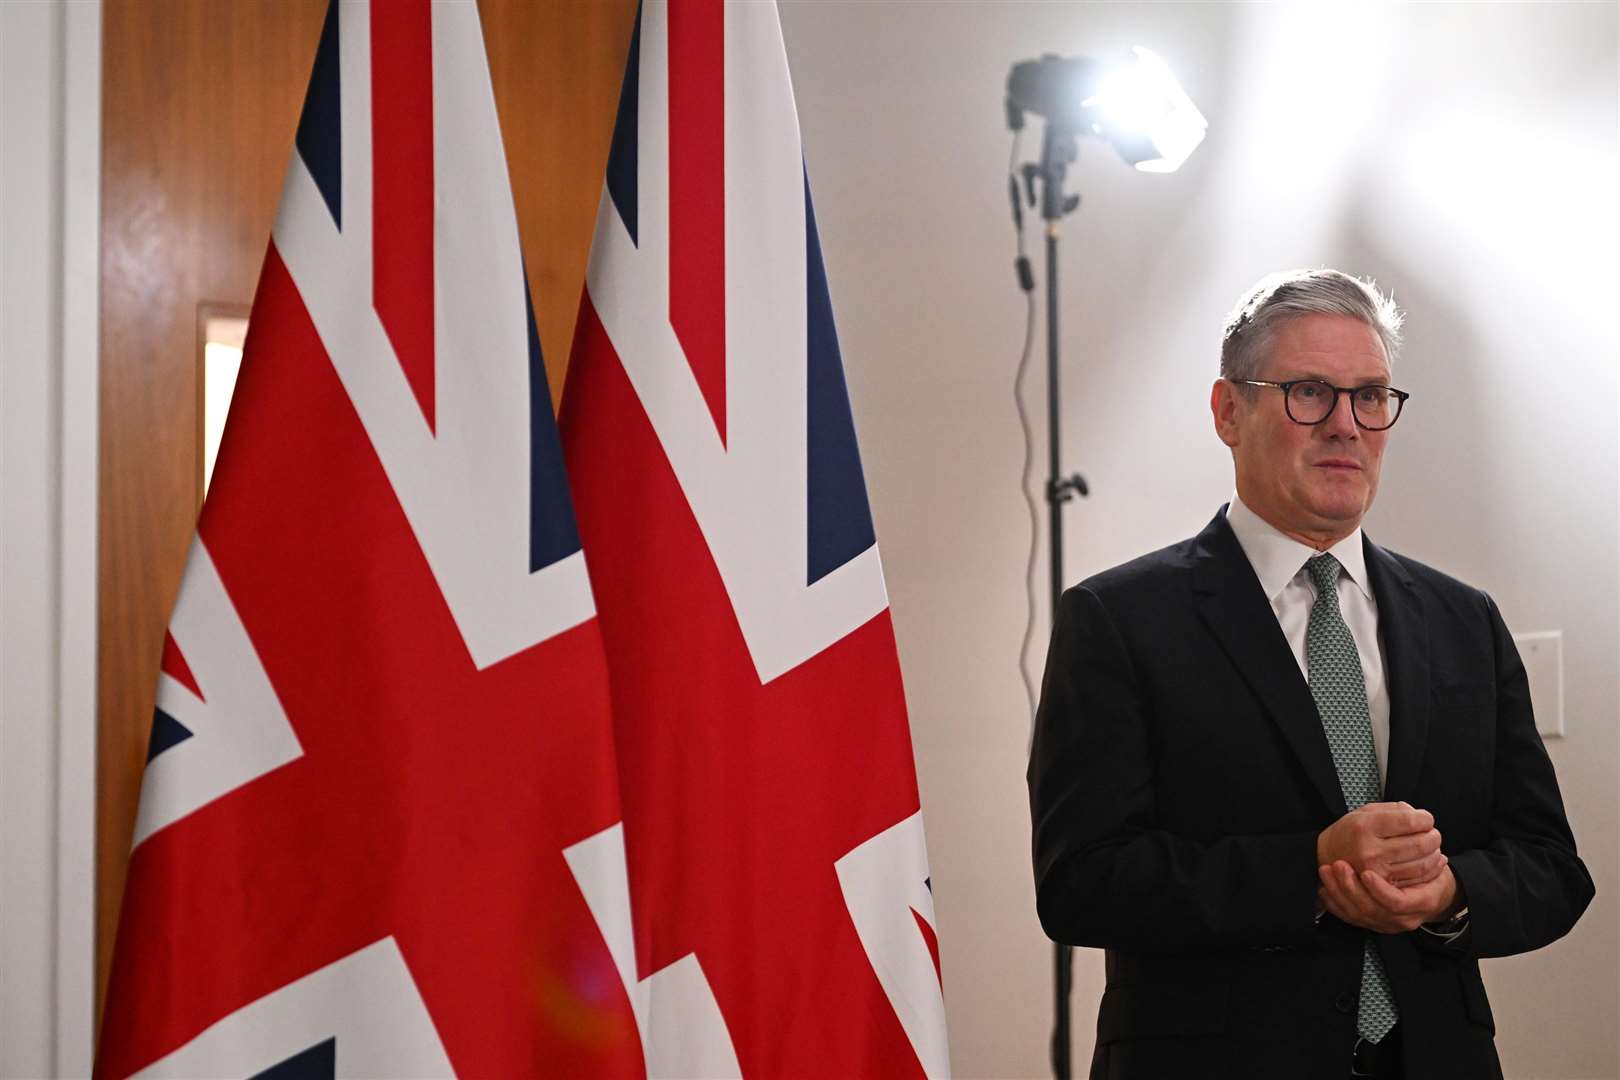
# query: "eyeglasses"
1312 401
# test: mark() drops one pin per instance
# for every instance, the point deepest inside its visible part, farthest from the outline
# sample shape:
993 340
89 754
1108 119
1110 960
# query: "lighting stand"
1137 106
1058 151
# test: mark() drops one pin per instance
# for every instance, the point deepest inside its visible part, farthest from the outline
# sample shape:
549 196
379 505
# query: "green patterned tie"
1341 699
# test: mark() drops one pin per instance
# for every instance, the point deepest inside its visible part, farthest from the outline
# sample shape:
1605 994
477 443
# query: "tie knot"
1324 570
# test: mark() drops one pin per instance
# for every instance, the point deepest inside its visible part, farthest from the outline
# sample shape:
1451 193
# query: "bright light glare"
1143 102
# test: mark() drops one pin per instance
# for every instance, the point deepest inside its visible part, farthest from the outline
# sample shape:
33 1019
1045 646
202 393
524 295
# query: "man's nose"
1342 420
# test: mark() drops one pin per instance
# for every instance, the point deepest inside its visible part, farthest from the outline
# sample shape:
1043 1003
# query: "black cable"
1026 282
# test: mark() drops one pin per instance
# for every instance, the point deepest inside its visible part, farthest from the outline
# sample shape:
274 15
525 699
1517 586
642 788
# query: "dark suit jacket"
1179 778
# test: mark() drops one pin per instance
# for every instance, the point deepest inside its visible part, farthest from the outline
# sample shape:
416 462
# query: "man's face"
1313 482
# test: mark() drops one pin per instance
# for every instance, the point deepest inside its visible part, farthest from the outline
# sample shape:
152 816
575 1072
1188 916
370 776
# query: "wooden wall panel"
200 102
556 69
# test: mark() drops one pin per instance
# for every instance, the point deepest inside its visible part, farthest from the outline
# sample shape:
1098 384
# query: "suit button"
1345 1002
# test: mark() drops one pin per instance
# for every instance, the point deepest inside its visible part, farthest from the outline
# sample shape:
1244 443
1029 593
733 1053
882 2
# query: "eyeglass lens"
1309 402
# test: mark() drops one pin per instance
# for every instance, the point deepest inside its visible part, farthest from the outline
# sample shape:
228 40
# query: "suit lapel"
1405 632
1230 602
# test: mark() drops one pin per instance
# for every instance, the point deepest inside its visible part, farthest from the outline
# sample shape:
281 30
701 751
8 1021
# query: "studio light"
1135 104
1139 108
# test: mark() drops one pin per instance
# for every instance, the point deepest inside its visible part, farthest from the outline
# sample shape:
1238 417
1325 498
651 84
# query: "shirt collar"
1277 558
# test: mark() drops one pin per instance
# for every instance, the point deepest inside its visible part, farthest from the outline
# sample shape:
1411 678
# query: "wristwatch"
1449 929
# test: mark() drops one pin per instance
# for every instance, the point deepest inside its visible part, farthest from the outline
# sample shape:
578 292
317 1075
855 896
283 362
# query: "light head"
1135 104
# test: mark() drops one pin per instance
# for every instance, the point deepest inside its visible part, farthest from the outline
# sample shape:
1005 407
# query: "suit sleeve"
1526 887
1106 874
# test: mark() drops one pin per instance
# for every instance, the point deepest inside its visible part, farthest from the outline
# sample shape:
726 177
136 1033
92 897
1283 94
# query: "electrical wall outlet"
1543 656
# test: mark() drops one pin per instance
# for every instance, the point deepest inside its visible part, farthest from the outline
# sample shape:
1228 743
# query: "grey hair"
1277 298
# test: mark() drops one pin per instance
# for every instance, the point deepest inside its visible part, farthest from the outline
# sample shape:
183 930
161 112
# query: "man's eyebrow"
1381 379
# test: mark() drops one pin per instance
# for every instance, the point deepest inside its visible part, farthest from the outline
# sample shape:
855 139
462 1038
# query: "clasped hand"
1381 868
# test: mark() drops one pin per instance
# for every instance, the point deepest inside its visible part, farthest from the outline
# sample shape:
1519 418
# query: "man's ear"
1224 405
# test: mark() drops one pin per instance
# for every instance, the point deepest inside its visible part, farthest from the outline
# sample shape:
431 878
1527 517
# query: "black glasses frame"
1400 400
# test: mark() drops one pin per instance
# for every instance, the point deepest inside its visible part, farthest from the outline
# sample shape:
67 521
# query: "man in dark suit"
1289 780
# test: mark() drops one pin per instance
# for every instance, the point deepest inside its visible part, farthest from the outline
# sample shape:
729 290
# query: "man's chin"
1340 515
1342 496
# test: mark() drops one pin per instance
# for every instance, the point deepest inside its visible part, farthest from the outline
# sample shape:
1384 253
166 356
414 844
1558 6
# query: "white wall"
50 87
1464 155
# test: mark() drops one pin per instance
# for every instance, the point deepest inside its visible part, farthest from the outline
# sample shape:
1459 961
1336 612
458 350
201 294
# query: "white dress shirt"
1279 563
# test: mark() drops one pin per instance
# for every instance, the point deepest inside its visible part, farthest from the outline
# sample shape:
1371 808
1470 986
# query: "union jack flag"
779 888
379 826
